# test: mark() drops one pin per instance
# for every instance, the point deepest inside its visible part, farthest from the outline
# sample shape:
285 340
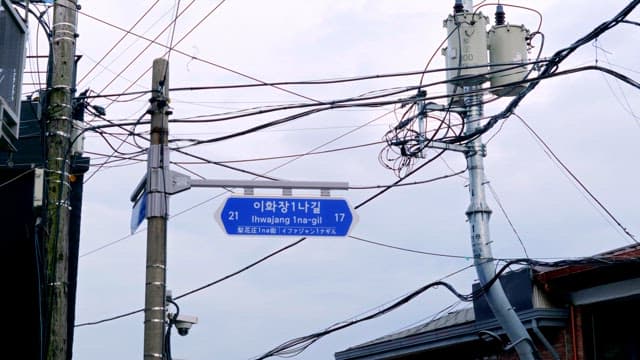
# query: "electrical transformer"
466 56
507 49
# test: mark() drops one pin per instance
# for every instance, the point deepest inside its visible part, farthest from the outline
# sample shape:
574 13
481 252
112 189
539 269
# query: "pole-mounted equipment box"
13 35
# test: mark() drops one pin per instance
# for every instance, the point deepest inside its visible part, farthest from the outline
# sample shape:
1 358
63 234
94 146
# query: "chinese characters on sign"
283 216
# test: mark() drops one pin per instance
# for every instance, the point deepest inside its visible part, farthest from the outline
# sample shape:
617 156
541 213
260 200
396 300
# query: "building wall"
23 277
610 330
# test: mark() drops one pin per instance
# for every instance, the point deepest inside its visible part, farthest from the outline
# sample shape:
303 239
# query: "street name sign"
138 212
286 216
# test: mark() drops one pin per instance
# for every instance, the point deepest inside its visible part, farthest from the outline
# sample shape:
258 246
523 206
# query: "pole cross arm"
178 182
446 146
272 184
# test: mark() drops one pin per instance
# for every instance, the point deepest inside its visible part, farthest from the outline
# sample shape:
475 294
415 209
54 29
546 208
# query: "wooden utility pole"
157 209
59 126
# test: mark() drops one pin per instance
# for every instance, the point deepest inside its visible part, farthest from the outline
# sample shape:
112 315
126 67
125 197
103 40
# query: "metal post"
478 215
59 127
157 209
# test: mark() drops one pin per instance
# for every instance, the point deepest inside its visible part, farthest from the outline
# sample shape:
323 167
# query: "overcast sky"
588 119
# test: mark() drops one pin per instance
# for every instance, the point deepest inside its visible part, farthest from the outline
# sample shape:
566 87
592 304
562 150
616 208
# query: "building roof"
461 327
453 318
579 276
456 328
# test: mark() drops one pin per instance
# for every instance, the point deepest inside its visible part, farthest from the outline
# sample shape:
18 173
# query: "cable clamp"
63 182
58 118
157 204
68 35
473 149
58 283
59 133
154 355
64 203
58 24
60 173
158 156
61 87
477 208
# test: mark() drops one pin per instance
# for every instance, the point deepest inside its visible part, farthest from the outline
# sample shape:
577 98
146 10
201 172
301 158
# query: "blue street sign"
138 212
286 216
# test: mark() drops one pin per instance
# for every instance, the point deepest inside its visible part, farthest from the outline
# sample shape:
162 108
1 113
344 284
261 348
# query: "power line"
304 82
294 155
116 150
173 30
299 241
351 102
146 48
118 42
420 182
232 168
409 250
504 212
296 346
575 178
154 42
16 177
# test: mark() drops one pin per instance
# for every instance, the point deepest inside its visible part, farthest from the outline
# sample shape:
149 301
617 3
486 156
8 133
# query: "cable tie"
66 183
61 87
159 266
64 204
159 356
59 133
155 283
57 34
58 24
61 173
58 118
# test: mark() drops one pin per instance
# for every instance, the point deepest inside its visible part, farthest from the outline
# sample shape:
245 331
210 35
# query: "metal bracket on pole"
446 146
157 186
271 184
431 106
176 182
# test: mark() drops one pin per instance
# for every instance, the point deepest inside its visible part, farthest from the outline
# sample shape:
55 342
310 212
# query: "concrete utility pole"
59 126
157 209
478 215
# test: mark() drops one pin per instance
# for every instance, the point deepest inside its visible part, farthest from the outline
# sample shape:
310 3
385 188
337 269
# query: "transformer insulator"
500 15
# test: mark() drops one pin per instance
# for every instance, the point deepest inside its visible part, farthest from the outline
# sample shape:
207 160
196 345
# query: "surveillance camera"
183 323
